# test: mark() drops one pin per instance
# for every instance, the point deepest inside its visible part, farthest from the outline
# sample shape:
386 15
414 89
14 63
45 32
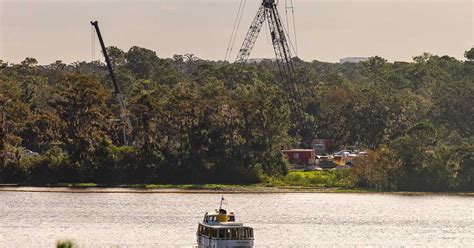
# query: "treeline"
193 122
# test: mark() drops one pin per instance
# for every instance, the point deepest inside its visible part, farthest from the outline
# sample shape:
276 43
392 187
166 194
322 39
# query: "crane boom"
268 11
251 37
118 94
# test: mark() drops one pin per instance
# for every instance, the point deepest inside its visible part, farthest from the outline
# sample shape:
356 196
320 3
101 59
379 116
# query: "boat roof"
215 223
216 214
218 225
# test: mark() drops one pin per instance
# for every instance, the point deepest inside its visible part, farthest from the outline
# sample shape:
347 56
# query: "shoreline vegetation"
203 189
200 122
294 182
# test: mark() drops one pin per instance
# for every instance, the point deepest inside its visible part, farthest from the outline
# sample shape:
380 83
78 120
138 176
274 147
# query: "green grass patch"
326 178
76 185
294 179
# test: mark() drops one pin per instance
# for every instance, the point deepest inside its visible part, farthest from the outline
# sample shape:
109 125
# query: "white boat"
220 229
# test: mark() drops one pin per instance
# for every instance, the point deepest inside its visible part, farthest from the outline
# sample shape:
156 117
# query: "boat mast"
222 199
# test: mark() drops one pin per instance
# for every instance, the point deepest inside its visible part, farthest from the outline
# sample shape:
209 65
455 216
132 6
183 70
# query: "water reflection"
296 219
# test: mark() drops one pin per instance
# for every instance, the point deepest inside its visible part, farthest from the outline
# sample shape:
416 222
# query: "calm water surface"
296 219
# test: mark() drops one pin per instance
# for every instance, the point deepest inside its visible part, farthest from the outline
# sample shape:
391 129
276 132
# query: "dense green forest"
193 122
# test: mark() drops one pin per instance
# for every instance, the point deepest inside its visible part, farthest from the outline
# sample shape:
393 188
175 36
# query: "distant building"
259 60
300 156
353 60
322 146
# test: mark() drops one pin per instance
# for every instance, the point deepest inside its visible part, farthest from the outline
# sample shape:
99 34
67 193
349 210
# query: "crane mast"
268 11
118 94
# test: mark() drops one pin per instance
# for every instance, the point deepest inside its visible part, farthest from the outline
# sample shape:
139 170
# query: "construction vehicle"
118 94
268 11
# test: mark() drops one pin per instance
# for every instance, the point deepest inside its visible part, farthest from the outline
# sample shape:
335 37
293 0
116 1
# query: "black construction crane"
118 94
268 11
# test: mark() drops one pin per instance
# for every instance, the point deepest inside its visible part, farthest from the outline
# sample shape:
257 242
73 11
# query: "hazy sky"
327 30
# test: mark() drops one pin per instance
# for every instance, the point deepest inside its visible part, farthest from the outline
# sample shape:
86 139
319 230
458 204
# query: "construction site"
139 117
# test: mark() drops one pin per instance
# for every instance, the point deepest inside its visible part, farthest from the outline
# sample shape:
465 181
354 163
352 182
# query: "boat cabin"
222 226
218 217
225 233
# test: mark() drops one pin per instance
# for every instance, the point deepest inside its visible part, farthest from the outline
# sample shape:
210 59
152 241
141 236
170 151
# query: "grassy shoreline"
335 181
198 188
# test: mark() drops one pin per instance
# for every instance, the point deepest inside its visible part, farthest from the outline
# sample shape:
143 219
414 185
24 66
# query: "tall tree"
80 104
469 54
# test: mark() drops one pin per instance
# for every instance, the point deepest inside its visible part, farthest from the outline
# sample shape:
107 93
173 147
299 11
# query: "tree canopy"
194 123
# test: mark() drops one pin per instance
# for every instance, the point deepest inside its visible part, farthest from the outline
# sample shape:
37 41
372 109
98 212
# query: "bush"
12 170
380 169
465 152
439 170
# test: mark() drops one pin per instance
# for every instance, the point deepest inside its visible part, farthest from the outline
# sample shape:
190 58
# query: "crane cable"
294 26
295 47
235 28
289 40
238 25
233 31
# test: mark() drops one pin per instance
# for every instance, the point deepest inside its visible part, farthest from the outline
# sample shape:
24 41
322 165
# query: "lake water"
294 219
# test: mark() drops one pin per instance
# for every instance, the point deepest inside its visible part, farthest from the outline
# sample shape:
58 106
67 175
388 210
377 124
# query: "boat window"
221 233
234 233
250 233
231 218
246 233
241 232
213 233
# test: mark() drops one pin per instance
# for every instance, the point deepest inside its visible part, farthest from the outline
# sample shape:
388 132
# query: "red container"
300 156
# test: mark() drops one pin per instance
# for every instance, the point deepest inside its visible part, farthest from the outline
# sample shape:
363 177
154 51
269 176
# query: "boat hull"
207 242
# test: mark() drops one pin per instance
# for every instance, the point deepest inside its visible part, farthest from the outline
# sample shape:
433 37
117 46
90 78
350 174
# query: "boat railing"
225 238
226 233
